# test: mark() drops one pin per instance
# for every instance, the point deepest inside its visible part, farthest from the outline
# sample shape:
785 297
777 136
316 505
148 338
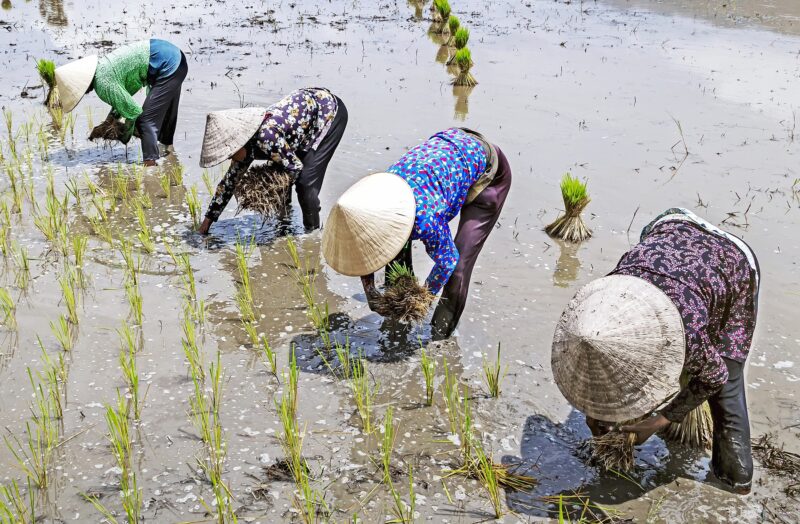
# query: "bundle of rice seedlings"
570 226
265 190
47 71
460 41
696 430
452 26
610 452
464 62
441 14
405 299
109 130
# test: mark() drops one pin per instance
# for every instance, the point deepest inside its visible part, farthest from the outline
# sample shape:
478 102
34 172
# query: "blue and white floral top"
440 172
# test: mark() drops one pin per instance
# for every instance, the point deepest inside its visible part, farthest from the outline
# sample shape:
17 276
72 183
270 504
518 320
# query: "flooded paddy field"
656 104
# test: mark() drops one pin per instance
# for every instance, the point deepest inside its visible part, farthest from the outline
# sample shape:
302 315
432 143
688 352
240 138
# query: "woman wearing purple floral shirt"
298 134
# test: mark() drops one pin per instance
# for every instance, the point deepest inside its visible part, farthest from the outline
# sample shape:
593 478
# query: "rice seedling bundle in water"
453 24
405 299
612 451
47 71
463 59
439 8
460 41
570 226
109 130
264 190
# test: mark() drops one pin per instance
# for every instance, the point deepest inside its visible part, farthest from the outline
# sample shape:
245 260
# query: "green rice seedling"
133 262
268 356
252 332
244 288
79 245
405 299
16 186
134 295
44 145
72 188
403 513
143 200
305 274
453 23
165 181
8 310
208 182
5 247
570 226
176 175
23 267
183 265
463 59
59 123
47 72
492 374
120 437
64 333
191 349
193 202
291 382
8 117
145 234
387 445
14 508
127 363
344 358
440 15
54 377
428 372
488 477
120 185
363 393
68 284
89 117
102 230
460 41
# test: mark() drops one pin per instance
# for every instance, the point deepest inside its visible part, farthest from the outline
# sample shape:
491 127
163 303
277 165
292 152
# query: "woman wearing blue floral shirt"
455 172
298 134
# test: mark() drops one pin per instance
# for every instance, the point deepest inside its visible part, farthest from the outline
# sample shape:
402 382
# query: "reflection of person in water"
116 77
683 300
298 134
454 172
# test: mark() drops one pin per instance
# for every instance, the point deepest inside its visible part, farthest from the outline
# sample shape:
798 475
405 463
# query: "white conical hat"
619 348
227 131
73 79
369 224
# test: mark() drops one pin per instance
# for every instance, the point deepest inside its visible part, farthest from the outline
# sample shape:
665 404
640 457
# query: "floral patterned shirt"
711 282
291 127
440 172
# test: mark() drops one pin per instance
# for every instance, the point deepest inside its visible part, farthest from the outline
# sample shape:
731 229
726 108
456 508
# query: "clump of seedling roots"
264 190
111 129
405 299
612 451
570 226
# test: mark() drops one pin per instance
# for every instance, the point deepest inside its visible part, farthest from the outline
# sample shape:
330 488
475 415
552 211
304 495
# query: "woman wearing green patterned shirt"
116 77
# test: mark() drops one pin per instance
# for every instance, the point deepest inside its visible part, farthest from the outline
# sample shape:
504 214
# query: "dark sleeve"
704 365
226 186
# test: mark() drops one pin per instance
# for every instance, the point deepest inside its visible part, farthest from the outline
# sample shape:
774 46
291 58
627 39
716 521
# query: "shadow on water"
53 12
549 453
461 94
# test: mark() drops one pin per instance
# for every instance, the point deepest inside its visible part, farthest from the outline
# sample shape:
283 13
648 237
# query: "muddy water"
594 88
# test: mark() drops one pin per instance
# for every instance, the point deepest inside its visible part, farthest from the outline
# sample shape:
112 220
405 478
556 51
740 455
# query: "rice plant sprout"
492 374
165 181
428 372
305 275
145 234
14 507
442 14
68 283
460 41
47 71
8 309
363 393
64 333
463 59
127 363
570 226
193 202
22 262
453 23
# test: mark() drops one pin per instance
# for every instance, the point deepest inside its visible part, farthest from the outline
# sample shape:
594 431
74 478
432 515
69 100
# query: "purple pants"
475 223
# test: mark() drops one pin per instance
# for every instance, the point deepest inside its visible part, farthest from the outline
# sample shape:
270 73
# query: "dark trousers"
477 220
315 164
160 112
731 456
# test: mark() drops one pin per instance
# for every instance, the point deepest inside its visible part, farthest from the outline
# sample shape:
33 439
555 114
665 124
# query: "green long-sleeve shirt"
120 75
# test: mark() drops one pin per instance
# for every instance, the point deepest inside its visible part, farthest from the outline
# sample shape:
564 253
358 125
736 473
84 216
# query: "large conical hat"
227 131
369 224
618 349
73 79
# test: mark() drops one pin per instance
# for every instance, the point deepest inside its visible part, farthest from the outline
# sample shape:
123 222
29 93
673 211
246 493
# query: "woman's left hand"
646 428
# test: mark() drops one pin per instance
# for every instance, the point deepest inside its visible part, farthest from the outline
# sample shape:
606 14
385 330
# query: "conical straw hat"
227 131
618 349
73 79
369 224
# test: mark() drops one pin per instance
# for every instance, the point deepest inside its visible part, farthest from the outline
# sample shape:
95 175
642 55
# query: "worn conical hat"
73 79
369 224
227 131
618 349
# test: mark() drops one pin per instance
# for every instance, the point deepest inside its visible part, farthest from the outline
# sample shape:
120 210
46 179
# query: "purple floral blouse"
711 282
292 126
440 171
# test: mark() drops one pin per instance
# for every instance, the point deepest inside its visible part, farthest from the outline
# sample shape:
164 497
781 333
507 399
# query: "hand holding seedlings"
646 428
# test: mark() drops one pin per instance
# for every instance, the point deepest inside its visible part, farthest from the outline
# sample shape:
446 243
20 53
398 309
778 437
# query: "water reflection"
417 5
53 12
568 264
461 94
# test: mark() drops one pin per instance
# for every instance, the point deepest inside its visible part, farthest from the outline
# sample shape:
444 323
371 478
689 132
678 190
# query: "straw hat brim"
73 79
369 224
618 349
227 131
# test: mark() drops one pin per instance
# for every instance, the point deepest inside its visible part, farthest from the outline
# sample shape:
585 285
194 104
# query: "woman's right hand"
205 226
371 292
